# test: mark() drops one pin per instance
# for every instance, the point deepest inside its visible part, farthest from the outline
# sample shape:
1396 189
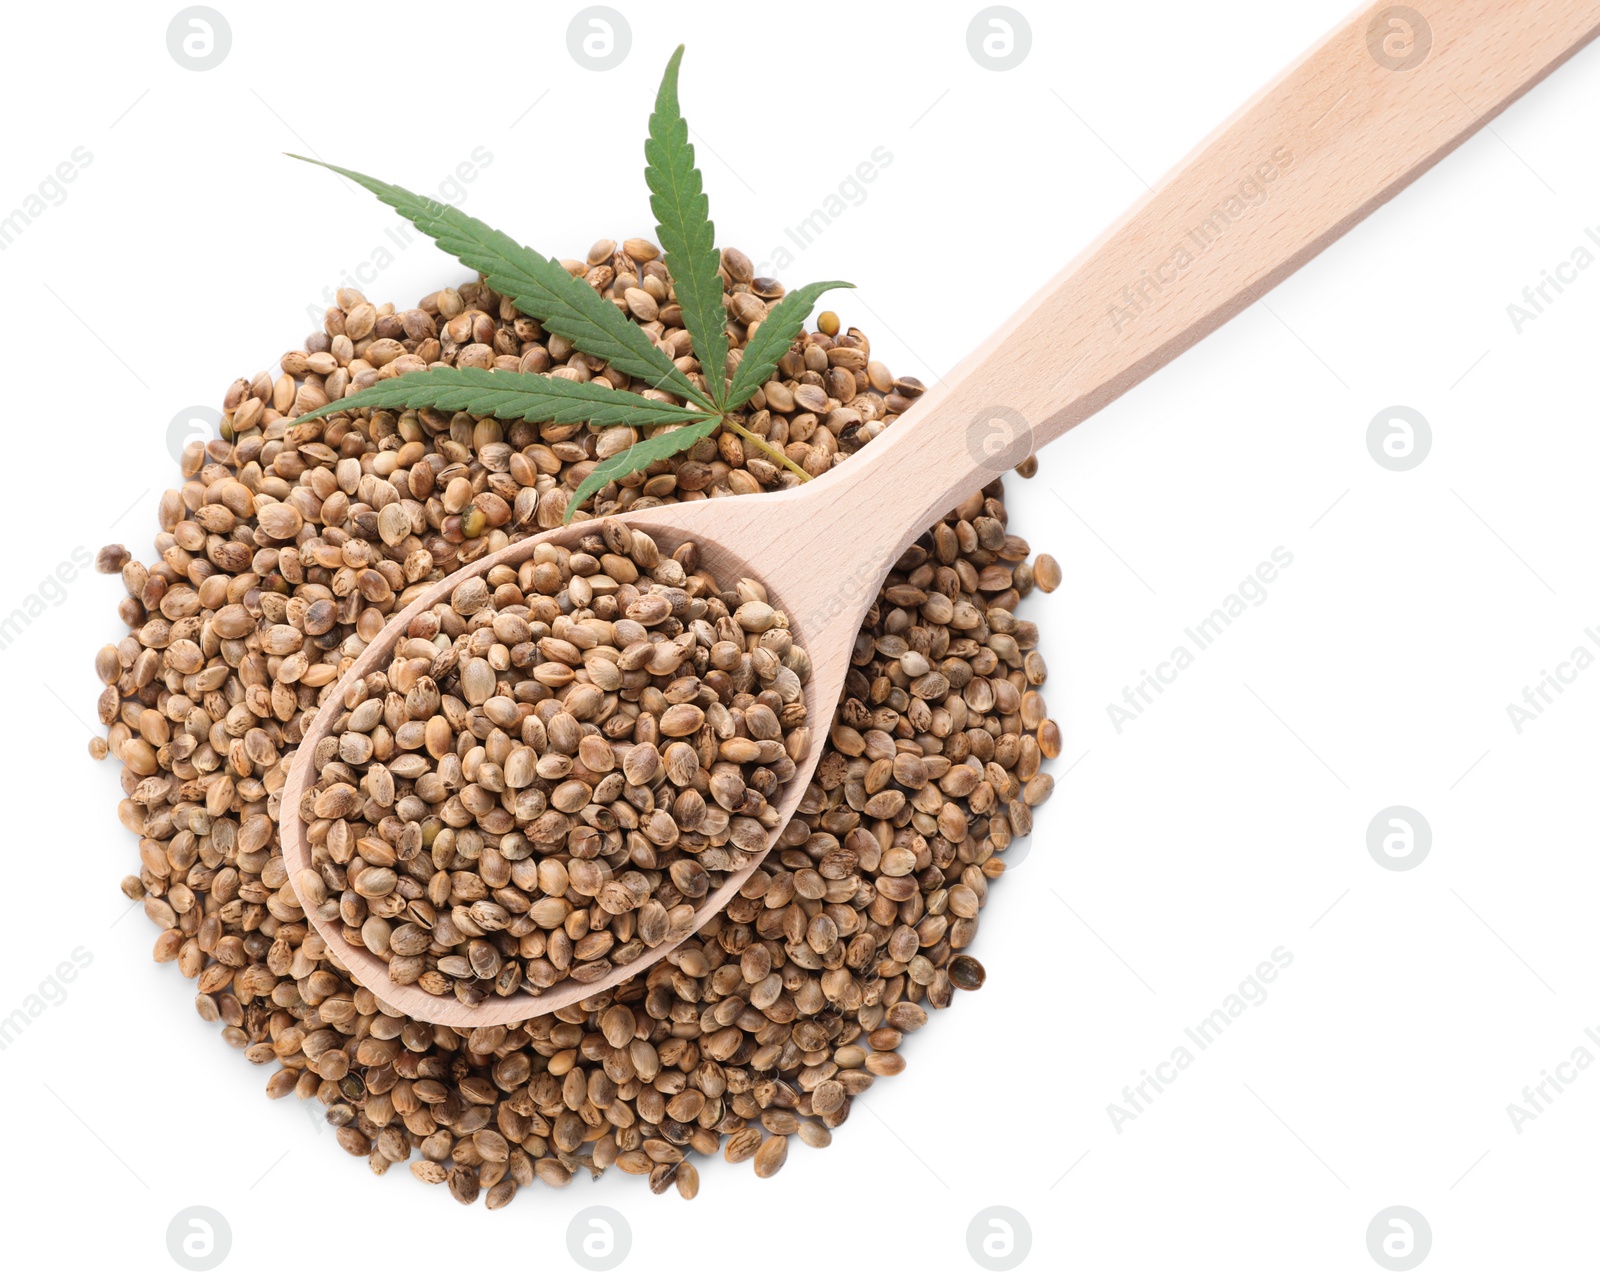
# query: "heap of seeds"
787 1004
556 767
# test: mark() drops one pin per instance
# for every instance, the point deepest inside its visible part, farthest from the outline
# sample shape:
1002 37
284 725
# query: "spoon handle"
1368 109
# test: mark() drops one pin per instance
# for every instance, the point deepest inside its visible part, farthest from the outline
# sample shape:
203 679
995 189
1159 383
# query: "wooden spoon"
1371 107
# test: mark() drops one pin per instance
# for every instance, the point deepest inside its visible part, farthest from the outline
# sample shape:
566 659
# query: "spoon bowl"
671 527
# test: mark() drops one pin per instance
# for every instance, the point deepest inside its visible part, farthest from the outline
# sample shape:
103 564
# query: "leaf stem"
776 454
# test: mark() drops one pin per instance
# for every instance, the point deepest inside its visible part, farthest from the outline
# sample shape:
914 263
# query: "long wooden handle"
1374 105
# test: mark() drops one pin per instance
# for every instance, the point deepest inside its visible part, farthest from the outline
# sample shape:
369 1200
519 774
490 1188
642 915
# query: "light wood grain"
1311 155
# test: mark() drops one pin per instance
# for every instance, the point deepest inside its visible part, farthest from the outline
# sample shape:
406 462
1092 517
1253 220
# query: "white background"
1229 819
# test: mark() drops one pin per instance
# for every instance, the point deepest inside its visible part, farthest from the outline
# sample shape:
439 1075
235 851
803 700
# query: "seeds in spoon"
554 769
